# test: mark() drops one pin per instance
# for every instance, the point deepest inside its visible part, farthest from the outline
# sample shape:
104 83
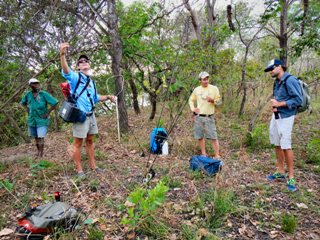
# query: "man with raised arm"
85 102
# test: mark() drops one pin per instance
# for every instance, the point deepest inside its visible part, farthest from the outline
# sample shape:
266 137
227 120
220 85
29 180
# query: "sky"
198 4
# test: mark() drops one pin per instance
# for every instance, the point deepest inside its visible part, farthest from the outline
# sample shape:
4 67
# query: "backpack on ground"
306 99
157 137
40 221
207 165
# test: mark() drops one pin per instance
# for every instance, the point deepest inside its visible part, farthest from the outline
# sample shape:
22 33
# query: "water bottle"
165 148
57 196
276 114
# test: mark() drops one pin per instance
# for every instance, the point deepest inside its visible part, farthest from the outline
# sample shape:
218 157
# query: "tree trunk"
116 56
13 122
305 13
211 20
243 81
257 113
229 17
283 38
153 101
134 96
56 117
194 19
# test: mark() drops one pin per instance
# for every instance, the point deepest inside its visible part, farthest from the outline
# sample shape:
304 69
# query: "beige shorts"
280 131
81 130
204 127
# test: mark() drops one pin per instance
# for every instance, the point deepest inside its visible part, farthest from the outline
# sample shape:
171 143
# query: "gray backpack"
42 220
306 99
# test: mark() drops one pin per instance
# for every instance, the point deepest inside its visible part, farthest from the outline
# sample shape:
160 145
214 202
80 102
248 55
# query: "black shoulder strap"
78 83
95 94
284 82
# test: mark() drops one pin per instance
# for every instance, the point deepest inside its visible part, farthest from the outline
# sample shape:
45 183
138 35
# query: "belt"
88 114
203 115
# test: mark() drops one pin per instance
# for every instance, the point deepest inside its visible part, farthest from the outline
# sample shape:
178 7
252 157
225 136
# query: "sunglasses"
83 61
274 67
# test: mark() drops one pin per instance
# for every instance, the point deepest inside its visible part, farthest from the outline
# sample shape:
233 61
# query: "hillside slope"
238 203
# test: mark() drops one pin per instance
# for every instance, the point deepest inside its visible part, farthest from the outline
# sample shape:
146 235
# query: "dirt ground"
258 205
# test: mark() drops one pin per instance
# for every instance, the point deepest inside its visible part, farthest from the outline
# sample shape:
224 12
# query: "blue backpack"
157 138
208 165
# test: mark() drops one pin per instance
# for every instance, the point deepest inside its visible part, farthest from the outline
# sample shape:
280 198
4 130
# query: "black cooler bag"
69 112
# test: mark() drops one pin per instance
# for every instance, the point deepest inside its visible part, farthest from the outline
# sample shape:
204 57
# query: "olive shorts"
204 127
81 130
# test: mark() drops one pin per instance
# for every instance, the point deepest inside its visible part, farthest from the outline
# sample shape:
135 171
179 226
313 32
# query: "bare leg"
289 159
90 151
280 159
36 140
41 146
215 146
202 145
77 153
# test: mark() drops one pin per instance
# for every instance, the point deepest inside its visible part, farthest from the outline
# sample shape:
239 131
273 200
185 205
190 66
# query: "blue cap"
275 63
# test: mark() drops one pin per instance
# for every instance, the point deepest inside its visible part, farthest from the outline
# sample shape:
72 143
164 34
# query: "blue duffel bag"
209 166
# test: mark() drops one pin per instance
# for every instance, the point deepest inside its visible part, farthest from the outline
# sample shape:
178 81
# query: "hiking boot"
99 170
81 175
276 175
291 185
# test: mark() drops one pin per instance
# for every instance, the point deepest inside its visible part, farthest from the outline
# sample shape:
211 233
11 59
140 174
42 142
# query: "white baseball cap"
33 80
203 75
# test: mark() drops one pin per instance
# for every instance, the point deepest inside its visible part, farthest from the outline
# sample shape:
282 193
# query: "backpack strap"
78 83
95 94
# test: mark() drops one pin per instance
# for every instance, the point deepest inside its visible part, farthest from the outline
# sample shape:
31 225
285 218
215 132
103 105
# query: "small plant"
42 164
7 185
142 204
100 155
223 204
313 151
2 221
172 183
2 167
289 223
258 139
188 233
94 185
95 234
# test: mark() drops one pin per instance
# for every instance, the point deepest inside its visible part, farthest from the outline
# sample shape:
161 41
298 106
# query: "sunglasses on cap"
83 61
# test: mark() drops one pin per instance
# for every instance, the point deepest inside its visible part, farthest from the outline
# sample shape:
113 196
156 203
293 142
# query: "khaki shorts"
81 130
204 127
280 131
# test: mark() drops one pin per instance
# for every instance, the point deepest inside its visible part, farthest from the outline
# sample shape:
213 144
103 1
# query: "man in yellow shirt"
206 97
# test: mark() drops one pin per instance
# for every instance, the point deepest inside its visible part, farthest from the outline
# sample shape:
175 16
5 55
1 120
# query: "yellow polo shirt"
199 96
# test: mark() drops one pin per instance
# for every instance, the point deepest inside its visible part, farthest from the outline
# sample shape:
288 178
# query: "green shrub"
188 233
141 205
95 234
42 164
6 184
289 223
258 139
223 204
2 167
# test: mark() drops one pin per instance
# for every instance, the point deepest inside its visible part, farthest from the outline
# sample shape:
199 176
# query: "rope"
116 103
